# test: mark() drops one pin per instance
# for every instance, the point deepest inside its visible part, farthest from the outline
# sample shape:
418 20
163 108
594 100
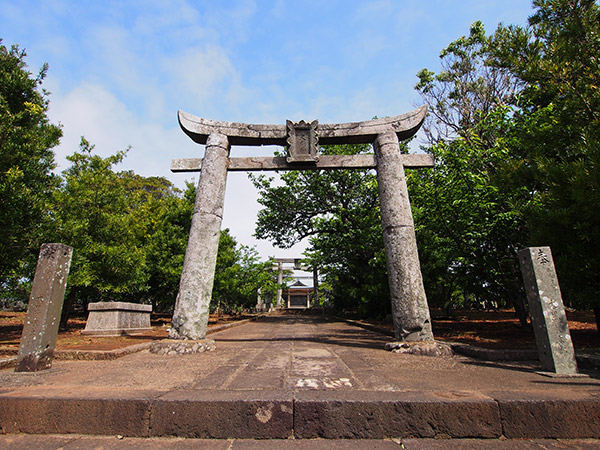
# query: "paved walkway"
301 375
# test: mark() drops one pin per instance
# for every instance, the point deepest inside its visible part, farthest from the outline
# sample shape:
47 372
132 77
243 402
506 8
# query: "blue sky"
120 70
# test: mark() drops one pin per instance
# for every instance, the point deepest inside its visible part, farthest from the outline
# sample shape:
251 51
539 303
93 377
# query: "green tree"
468 228
338 211
93 212
556 130
529 94
238 276
466 90
26 162
469 220
130 235
165 249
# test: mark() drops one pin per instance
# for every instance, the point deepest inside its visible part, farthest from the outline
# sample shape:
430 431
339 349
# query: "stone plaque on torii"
409 304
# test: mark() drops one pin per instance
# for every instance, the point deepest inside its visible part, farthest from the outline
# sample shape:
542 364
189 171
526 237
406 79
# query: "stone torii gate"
409 303
297 262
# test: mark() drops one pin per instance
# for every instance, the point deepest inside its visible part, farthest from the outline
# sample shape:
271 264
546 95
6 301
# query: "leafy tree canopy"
26 162
239 275
338 211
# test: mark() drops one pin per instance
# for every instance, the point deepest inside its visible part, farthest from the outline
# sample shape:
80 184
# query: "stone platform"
117 318
304 377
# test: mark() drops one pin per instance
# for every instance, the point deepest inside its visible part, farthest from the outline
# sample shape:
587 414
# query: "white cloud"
92 111
199 72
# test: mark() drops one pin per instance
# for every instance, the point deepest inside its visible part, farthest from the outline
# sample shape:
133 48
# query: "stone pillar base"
182 346
427 348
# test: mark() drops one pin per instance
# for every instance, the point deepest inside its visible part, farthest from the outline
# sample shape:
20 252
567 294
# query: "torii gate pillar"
190 316
410 311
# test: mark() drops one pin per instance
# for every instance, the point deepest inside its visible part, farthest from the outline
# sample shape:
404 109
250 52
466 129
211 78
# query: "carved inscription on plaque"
302 141
542 258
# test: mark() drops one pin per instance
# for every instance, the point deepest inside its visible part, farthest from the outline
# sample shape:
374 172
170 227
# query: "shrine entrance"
302 139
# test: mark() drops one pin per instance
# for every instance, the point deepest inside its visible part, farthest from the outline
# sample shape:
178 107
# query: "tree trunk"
521 311
67 309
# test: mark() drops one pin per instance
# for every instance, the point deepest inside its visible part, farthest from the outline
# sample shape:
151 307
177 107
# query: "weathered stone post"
315 300
547 311
279 301
190 316
45 305
410 311
260 306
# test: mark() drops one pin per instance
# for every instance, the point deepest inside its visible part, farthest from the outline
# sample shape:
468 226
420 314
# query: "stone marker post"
190 316
260 305
315 300
547 311
279 302
45 305
410 311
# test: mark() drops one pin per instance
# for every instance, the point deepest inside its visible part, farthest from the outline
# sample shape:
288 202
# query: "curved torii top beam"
405 126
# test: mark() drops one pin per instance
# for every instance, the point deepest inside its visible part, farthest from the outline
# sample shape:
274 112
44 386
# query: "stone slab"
65 412
499 444
82 442
117 318
539 415
76 442
119 306
386 394
171 347
377 415
490 354
38 442
316 444
224 414
433 348
310 414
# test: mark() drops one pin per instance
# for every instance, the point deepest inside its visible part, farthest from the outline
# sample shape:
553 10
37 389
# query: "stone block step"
305 414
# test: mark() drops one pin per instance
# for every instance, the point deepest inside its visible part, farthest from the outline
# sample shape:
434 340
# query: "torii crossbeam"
409 303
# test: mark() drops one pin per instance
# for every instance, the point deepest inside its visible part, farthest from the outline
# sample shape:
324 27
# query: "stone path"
295 353
301 376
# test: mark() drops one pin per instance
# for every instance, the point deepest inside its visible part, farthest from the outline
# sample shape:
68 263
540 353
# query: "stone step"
304 414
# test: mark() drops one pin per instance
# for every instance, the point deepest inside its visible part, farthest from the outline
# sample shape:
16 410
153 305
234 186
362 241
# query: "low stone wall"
117 318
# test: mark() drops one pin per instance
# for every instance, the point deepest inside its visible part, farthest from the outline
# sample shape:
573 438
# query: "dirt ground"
489 329
502 330
11 326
